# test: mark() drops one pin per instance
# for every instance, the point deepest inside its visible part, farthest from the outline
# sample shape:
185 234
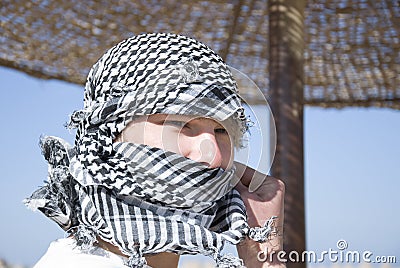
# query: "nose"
205 150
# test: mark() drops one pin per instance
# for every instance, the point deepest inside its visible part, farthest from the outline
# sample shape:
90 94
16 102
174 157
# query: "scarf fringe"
229 261
137 261
262 234
84 235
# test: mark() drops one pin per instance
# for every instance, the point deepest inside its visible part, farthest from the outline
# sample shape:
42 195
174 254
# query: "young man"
151 175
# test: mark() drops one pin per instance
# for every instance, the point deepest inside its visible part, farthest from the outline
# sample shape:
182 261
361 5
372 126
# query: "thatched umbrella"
329 53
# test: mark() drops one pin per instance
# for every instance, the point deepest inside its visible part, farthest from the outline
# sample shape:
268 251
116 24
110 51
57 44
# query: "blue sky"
352 170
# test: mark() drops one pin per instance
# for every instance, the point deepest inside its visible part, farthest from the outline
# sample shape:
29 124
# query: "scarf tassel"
77 118
85 236
137 261
262 234
229 261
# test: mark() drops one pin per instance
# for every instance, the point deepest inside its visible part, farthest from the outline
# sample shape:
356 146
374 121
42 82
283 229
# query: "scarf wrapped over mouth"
142 199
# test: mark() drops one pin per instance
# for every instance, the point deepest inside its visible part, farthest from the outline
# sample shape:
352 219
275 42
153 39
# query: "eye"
221 131
175 123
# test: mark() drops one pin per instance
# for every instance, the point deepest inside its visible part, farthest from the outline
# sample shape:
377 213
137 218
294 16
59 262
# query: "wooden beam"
286 50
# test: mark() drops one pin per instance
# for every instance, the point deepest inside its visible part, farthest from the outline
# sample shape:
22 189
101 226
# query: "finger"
235 180
241 188
242 173
256 182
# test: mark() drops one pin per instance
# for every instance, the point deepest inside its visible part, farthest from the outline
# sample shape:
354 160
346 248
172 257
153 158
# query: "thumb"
241 188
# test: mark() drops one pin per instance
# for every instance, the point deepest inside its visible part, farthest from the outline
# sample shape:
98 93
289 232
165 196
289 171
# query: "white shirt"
63 253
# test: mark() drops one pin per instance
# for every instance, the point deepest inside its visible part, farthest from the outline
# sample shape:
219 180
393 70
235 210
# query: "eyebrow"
184 117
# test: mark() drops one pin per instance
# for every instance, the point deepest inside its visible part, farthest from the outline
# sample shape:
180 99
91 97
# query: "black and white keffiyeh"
142 199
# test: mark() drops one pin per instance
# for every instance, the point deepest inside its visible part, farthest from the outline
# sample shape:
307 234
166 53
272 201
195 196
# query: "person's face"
201 139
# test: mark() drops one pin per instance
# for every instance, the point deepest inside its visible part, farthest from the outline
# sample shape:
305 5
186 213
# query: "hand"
263 197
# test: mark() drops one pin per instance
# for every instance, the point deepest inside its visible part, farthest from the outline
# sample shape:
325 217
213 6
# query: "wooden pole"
286 48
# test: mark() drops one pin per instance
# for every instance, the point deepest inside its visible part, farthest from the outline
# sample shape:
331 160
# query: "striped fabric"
146 200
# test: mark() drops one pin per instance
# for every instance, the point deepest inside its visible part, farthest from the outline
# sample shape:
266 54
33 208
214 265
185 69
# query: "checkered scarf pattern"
146 200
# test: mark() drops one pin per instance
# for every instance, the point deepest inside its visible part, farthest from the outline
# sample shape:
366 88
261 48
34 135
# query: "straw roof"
352 47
